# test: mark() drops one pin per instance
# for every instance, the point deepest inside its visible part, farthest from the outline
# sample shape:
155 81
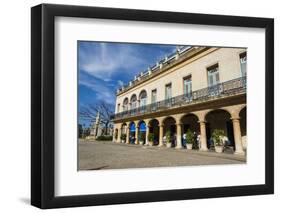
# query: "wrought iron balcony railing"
227 88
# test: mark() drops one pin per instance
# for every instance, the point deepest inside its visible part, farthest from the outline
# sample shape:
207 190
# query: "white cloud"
103 92
120 83
103 61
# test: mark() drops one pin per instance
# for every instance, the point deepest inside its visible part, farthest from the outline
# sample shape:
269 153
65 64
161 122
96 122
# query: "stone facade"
199 88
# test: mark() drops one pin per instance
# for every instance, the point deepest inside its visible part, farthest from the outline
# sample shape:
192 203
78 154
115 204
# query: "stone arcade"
197 88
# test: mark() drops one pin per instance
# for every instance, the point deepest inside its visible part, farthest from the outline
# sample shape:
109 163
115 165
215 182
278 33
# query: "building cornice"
191 53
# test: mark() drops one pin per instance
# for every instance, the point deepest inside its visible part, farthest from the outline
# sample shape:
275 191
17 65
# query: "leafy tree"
141 136
150 137
168 136
123 136
190 137
80 130
90 112
217 137
87 131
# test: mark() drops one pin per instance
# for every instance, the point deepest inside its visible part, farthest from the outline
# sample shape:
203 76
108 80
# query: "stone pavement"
96 155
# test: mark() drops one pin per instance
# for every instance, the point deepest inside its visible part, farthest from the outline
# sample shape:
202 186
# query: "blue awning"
142 127
132 127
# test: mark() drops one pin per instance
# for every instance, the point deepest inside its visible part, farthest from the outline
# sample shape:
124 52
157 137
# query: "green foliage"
104 138
217 137
85 132
150 137
168 136
80 130
141 136
190 137
123 136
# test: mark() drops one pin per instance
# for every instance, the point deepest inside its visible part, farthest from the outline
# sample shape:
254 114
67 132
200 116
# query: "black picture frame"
43 105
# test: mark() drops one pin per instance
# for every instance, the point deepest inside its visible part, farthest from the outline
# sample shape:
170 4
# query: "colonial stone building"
197 88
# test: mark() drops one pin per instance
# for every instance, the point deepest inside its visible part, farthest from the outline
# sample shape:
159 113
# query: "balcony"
179 56
228 88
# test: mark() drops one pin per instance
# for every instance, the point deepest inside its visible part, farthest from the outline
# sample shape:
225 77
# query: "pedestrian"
194 139
175 139
184 139
198 141
224 141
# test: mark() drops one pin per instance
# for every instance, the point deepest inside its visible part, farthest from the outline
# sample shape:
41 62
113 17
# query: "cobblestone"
96 155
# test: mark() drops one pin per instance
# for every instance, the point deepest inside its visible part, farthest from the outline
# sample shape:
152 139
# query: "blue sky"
104 67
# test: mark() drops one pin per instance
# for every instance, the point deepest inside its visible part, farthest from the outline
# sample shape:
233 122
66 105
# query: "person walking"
198 141
175 139
184 139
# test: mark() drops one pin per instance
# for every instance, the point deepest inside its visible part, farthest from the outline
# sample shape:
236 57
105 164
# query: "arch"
123 128
216 111
219 119
244 108
132 133
133 101
123 132
234 110
169 126
153 121
142 132
125 104
133 98
243 126
148 121
143 100
132 126
189 121
143 94
142 126
168 117
154 128
189 114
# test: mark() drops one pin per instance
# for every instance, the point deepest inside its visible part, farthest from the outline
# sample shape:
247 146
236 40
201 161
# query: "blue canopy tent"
142 131
132 132
142 127
132 127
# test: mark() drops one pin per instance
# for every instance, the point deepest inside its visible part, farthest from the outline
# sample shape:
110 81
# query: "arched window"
133 101
243 63
143 98
125 104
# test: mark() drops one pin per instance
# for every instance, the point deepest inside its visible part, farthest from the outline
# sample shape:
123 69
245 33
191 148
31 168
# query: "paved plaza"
97 155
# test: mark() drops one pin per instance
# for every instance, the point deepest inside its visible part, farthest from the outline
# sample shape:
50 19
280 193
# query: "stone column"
203 137
146 135
127 134
119 135
179 142
114 132
161 130
137 135
237 136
